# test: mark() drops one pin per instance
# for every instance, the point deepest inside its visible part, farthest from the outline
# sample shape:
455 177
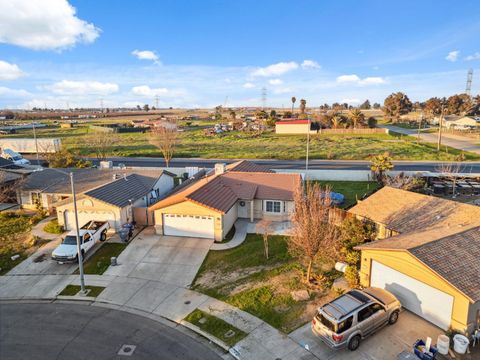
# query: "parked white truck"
90 233
28 146
13 156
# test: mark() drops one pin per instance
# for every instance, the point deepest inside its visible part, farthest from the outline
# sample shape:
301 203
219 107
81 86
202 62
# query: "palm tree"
336 121
379 165
294 99
303 105
356 116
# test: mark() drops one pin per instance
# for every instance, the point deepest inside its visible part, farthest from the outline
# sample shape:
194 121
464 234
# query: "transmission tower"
264 97
156 101
101 105
468 88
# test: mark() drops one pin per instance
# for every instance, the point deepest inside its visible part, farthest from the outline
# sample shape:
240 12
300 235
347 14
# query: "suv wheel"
393 318
103 237
354 343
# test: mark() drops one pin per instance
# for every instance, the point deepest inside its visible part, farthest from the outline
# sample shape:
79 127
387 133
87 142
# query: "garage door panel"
86 216
418 297
188 225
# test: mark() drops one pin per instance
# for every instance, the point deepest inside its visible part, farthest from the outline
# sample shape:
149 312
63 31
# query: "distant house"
209 206
297 126
460 122
116 201
428 255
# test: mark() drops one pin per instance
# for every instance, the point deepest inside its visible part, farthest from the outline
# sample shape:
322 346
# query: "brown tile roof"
248 166
405 211
220 192
453 253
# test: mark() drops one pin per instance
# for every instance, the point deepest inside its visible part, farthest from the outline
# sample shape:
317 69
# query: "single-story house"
460 122
428 255
297 126
117 201
47 187
209 206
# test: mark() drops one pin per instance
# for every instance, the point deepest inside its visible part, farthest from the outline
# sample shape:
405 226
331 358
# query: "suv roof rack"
345 304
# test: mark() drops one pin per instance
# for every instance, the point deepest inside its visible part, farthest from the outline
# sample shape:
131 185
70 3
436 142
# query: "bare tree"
405 182
265 227
314 231
165 139
9 183
102 142
450 171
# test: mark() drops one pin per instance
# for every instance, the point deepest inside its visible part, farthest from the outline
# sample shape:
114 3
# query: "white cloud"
4 91
276 69
146 55
69 87
373 80
355 79
452 56
132 104
147 91
43 25
248 85
475 56
348 78
350 101
310 64
275 82
9 71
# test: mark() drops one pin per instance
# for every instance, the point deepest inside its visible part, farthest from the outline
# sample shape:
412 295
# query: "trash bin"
124 234
460 344
420 351
443 343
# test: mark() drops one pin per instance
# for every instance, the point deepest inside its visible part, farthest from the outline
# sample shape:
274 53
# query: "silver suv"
345 321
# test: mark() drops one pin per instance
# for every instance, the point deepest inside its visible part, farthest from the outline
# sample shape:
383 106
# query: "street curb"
206 335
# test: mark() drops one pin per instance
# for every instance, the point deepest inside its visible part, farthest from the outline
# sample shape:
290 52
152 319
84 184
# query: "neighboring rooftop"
7 164
121 191
406 211
248 166
452 252
54 181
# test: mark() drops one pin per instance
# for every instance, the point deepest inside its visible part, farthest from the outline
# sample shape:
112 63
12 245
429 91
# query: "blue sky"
196 53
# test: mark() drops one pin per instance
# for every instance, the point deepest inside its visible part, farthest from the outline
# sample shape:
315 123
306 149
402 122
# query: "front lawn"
16 239
99 262
72 290
216 327
53 227
244 278
352 190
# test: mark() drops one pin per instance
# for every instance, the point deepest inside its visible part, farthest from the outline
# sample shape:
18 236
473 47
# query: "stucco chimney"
220 168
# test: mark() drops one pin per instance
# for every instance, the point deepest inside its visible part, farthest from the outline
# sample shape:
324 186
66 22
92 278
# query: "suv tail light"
337 338
314 322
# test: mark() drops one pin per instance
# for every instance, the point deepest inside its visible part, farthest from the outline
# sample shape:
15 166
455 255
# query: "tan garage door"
85 216
189 225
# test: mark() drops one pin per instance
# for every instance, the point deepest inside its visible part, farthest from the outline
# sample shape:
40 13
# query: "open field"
244 278
193 143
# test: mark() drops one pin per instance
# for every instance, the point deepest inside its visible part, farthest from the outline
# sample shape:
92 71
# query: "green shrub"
351 275
53 227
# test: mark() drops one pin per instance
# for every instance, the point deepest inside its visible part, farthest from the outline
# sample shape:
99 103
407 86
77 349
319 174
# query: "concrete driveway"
384 344
169 259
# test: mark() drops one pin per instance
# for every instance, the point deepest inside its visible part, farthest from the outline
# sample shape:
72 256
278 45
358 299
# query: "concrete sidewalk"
241 229
37 230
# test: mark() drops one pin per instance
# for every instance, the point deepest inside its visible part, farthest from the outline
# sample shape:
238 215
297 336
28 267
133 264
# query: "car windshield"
327 323
16 158
70 240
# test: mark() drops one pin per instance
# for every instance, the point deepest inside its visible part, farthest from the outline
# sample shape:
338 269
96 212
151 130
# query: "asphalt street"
73 331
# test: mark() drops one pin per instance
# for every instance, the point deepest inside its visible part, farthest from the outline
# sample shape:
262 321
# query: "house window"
273 206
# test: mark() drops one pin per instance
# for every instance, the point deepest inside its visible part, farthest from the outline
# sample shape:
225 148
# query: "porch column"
252 202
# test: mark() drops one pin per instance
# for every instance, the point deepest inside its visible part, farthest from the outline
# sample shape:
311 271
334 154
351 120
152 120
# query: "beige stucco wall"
284 216
407 264
229 219
88 207
189 208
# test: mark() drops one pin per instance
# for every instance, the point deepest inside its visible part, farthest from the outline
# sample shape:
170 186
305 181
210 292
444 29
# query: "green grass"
249 254
215 326
72 290
99 262
53 227
233 145
352 190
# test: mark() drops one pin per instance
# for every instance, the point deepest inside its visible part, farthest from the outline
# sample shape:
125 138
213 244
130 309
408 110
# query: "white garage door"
431 304
189 225
86 216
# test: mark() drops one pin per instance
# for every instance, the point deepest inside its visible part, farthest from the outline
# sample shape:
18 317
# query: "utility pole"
419 126
308 149
36 142
439 143
79 247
